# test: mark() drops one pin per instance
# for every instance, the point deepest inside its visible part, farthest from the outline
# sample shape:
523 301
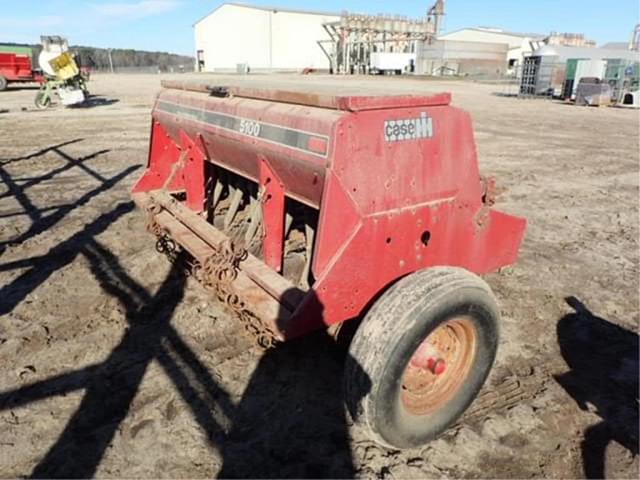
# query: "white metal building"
519 44
455 57
561 53
263 38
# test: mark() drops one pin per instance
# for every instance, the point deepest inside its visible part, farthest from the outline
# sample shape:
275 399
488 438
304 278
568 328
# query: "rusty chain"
216 273
154 227
166 246
164 243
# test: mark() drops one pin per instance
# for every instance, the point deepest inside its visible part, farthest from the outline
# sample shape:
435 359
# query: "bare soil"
114 364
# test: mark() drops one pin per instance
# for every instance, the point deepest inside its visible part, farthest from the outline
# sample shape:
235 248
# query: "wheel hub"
439 366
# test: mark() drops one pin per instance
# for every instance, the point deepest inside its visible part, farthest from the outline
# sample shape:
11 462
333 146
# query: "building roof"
498 31
564 52
269 9
18 49
616 45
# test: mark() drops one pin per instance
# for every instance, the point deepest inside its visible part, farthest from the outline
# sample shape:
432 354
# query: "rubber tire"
389 334
3 83
42 105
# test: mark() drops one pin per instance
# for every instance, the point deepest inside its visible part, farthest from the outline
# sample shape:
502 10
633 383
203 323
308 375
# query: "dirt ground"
113 364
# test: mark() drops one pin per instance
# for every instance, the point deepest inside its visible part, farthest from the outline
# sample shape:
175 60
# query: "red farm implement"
303 211
17 68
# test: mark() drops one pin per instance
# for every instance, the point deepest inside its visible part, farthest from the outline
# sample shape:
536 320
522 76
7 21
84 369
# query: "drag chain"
217 274
164 243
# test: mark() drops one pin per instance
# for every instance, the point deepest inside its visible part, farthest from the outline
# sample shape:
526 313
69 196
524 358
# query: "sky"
167 25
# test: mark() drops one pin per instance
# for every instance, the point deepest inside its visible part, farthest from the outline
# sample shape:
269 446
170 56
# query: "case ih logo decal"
409 129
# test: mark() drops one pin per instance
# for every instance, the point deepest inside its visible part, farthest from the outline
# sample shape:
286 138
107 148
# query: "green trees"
98 58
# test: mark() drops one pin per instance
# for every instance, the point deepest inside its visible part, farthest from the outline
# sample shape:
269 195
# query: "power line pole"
110 59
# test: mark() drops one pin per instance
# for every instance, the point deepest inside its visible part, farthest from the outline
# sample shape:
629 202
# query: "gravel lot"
114 364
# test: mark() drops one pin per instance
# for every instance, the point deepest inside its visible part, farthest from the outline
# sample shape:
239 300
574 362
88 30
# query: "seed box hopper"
302 211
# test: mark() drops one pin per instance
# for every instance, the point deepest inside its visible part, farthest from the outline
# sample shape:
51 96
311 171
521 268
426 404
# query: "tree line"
98 58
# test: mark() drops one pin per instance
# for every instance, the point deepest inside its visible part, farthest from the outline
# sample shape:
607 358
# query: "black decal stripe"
273 133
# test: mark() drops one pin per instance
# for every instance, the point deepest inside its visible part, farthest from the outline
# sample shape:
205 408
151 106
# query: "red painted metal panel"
300 166
272 214
164 156
337 224
395 206
352 103
194 172
362 103
15 67
389 246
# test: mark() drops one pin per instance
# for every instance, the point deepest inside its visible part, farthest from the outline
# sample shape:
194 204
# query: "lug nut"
436 365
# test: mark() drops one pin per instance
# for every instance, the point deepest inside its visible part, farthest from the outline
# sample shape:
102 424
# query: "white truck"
391 62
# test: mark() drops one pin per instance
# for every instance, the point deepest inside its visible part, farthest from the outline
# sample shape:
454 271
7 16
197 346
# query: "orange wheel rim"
439 366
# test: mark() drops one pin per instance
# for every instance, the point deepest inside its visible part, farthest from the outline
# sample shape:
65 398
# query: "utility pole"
110 59
634 44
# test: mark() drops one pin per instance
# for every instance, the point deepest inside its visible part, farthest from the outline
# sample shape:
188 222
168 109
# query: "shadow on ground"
95 101
289 422
44 217
22 86
603 358
110 386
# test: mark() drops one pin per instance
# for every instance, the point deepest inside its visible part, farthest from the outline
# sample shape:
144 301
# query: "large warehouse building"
519 45
261 38
455 57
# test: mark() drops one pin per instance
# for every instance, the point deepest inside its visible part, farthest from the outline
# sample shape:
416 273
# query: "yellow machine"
63 76
64 66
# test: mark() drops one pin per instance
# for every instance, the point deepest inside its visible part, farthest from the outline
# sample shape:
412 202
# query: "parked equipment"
578 69
301 211
630 99
540 77
593 92
390 62
63 76
16 67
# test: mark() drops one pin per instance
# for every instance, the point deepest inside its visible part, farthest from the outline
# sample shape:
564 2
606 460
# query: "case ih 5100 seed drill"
303 211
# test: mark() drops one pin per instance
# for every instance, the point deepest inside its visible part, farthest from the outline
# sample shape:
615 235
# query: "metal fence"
534 78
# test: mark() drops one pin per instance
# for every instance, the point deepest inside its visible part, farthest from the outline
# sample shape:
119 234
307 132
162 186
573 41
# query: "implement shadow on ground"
603 358
110 386
94 101
15 87
289 422
44 218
